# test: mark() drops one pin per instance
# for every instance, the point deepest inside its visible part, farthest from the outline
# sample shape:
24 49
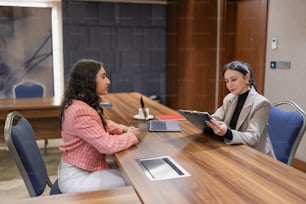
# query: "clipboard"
197 118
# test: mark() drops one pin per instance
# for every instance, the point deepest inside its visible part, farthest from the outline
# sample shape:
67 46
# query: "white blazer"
252 124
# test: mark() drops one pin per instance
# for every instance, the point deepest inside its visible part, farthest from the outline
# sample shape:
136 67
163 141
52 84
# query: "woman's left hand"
218 127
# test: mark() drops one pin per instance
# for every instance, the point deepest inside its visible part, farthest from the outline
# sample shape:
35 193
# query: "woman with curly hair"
87 136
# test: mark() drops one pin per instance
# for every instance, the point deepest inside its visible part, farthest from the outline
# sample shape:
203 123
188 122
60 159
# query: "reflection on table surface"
220 173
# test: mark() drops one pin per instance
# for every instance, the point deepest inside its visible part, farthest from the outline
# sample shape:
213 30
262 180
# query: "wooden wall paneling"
251 36
192 55
244 37
171 64
227 41
260 61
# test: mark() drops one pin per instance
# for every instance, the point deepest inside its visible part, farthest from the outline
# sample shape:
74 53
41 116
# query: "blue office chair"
28 89
21 142
286 129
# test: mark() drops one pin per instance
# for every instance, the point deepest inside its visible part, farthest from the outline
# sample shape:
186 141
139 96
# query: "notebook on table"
173 116
163 126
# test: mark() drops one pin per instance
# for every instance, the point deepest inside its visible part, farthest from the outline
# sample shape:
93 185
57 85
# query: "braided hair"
82 86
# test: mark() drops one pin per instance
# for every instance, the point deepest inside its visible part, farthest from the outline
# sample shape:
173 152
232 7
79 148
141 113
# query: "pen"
143 108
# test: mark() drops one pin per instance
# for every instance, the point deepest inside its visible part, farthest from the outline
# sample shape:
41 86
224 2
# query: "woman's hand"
218 127
135 131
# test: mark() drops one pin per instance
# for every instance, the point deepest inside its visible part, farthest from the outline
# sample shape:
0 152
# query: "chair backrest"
28 89
286 129
21 142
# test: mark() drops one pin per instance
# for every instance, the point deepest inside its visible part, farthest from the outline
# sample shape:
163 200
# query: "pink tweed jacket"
85 142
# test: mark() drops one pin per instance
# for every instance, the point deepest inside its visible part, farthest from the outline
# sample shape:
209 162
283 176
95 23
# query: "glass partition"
30 49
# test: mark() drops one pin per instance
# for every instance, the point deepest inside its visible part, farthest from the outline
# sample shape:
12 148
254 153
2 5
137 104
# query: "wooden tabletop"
42 113
32 107
220 173
125 195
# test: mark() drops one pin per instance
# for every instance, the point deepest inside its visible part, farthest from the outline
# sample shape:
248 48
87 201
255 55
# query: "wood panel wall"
191 54
192 48
243 37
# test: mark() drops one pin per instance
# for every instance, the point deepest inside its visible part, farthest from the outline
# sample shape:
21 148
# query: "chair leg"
46 144
110 160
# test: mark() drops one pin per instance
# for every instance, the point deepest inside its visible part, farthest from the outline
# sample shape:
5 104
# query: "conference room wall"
129 38
286 22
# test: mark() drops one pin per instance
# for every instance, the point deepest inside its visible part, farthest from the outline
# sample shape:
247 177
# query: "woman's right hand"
218 127
135 131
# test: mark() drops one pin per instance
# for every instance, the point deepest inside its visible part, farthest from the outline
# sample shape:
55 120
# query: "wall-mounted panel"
130 39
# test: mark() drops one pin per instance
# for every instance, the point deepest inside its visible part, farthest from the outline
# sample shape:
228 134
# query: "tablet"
197 118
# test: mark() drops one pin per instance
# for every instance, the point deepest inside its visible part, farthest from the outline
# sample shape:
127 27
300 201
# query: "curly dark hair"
82 86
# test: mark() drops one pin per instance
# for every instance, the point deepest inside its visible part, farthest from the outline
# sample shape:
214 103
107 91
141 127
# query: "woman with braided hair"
243 116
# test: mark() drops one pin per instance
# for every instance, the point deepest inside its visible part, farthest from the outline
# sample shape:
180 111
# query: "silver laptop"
163 126
197 118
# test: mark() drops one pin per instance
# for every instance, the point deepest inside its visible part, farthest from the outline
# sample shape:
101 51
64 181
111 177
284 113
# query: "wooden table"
126 195
42 113
220 173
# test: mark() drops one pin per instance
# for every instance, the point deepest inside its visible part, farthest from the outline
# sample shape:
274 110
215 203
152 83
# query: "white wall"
287 22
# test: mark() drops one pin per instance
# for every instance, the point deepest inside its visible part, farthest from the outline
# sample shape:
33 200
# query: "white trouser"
73 179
